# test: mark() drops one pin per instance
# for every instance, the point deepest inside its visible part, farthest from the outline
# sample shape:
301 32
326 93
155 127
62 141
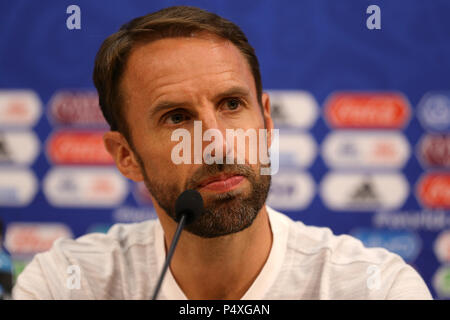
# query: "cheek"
159 164
249 119
256 145
159 160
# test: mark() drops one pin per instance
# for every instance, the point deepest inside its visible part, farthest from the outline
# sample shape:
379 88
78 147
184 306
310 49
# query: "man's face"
168 84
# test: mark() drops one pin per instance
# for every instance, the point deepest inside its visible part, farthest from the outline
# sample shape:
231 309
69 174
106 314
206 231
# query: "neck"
223 267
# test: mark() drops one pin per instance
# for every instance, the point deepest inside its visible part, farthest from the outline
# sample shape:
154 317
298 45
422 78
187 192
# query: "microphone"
188 207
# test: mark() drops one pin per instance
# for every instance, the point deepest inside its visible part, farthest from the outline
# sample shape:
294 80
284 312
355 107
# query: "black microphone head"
190 203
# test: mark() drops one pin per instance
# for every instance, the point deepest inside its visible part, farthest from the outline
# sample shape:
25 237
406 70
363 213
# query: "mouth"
221 183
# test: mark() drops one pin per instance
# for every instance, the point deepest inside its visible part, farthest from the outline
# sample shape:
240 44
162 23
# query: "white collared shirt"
305 262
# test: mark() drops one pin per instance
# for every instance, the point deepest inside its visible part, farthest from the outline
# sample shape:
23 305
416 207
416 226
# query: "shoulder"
341 267
120 236
339 249
101 260
100 248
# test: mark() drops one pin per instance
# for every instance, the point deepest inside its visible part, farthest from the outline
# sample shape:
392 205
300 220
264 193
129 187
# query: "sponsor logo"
19 108
441 282
31 238
434 150
85 187
429 220
296 109
76 108
434 111
77 147
433 190
297 150
404 243
17 187
377 149
18 147
291 191
442 246
367 110
364 192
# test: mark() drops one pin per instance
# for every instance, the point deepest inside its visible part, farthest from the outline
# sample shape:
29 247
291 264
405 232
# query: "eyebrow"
233 91
166 105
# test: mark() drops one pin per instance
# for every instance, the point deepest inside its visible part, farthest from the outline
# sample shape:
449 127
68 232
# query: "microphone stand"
170 254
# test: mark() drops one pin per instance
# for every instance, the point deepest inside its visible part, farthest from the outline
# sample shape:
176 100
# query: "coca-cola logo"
76 108
434 190
77 147
31 238
367 110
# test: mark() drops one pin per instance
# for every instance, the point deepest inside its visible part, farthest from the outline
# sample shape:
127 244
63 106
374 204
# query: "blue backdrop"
309 51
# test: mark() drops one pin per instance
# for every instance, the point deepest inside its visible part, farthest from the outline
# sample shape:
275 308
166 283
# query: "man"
171 70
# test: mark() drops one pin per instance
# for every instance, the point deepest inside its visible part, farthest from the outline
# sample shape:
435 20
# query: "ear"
123 155
267 117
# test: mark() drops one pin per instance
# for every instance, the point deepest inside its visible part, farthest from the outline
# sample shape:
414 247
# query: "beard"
225 213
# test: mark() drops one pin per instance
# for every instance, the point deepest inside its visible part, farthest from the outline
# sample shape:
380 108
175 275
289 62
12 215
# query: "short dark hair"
172 22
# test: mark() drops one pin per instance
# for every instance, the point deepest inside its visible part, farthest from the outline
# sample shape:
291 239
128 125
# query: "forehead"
185 64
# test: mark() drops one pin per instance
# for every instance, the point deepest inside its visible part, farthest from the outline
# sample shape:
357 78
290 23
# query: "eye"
233 103
176 118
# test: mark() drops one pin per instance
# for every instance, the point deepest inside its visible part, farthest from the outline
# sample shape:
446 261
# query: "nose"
214 144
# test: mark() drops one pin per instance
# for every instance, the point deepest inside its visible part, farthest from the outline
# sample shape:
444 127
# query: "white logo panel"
17 187
18 147
291 191
297 150
31 238
19 108
362 149
365 192
293 108
442 246
85 187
